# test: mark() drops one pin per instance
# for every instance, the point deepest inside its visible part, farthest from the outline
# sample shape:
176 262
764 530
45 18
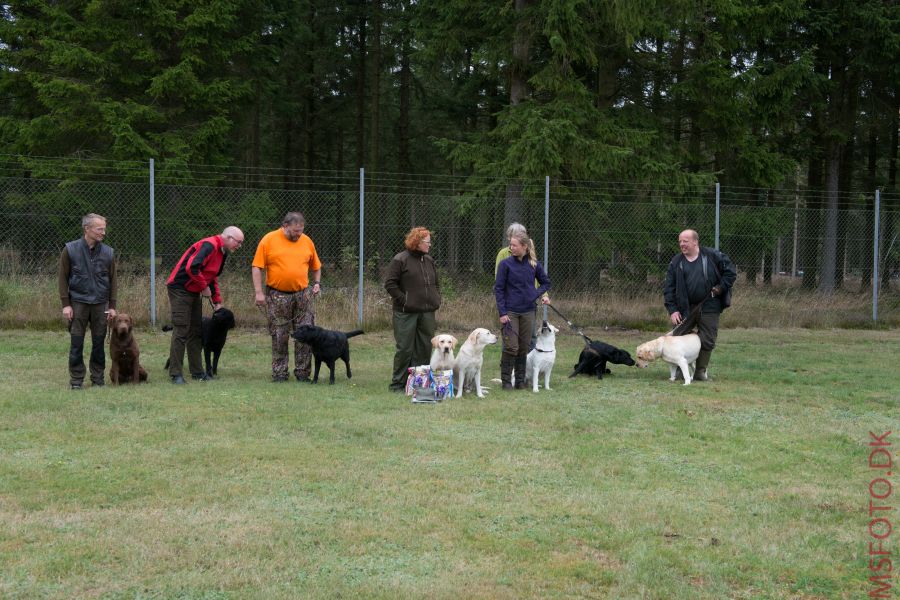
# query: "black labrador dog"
215 331
594 357
327 346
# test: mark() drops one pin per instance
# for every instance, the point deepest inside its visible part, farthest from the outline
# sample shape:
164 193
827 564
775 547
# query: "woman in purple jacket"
516 294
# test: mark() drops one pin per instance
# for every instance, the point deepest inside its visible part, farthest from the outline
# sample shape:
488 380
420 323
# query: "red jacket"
199 268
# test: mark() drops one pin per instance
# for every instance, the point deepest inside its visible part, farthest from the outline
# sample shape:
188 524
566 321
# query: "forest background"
784 103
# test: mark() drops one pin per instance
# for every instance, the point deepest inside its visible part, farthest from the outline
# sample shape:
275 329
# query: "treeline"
751 93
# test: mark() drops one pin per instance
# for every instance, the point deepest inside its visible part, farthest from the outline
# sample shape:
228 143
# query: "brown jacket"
412 281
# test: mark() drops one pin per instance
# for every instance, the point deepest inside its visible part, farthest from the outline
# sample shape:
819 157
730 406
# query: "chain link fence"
606 243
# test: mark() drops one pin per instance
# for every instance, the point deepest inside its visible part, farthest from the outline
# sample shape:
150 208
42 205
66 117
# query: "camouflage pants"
286 312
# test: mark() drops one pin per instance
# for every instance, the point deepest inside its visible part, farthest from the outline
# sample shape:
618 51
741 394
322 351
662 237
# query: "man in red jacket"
196 275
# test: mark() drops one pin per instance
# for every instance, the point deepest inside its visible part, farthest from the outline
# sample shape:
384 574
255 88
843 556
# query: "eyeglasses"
235 240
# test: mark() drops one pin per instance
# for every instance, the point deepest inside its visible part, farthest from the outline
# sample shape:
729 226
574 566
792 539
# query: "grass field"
754 485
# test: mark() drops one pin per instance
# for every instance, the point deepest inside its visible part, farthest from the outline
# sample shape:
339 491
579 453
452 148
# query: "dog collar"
539 350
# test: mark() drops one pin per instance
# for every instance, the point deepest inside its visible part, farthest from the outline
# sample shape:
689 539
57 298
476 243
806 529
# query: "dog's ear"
473 337
453 341
434 341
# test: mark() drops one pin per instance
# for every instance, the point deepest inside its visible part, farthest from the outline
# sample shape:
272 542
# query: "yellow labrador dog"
470 359
677 350
442 354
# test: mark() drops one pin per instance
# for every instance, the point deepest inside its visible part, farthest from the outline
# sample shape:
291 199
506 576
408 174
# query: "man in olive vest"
87 290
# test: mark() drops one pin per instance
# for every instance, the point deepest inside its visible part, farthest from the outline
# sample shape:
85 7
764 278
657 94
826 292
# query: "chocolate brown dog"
124 352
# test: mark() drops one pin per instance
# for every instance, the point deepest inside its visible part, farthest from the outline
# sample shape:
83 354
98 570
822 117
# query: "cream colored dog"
677 350
470 359
442 355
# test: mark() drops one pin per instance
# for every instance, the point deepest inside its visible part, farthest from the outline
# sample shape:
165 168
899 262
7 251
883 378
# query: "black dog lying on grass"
594 357
327 346
214 332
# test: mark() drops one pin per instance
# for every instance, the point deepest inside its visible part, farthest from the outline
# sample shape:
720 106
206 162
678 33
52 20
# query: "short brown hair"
415 237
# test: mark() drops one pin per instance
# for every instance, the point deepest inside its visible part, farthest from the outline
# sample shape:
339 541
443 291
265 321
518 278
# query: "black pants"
706 324
84 317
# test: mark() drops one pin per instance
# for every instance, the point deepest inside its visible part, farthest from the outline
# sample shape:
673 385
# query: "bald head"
689 242
232 238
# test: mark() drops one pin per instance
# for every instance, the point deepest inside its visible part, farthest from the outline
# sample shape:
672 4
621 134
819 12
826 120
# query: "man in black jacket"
87 290
697 290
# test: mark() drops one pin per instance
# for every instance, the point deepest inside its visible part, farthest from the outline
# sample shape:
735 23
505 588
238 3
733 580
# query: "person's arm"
65 267
669 293
499 291
113 289
392 280
543 279
260 297
315 281
727 274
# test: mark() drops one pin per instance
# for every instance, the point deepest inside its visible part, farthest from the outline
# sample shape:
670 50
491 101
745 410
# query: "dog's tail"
350 334
167 328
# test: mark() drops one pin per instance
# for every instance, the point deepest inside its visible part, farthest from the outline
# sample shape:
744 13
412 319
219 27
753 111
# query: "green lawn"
754 485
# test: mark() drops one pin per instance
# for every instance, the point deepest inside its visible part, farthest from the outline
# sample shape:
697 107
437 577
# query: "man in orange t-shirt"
292 277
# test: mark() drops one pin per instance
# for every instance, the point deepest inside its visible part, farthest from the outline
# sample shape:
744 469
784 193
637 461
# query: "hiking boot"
178 380
279 379
396 387
701 375
200 377
521 361
75 386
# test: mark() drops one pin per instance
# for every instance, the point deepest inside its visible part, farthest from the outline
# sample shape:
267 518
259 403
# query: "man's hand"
716 291
260 299
217 306
206 292
676 318
111 314
68 313
545 299
504 320
316 288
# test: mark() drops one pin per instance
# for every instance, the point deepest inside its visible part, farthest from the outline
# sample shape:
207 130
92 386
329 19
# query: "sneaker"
178 380
74 386
200 377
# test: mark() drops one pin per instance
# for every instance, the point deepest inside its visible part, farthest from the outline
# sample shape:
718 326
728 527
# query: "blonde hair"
526 241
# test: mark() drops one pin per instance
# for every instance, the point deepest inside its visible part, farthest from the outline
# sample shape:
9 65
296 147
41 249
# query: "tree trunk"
361 91
830 234
871 172
518 92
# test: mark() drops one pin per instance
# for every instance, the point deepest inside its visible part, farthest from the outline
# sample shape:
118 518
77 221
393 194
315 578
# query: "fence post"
546 230
875 238
362 236
718 208
152 244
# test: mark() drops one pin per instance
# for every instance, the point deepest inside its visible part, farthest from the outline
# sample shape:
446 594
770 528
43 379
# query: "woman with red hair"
412 282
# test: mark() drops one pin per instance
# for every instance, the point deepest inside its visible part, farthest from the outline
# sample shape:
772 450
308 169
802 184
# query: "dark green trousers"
412 334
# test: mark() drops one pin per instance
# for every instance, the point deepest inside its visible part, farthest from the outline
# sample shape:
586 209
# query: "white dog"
442 355
469 360
542 358
677 350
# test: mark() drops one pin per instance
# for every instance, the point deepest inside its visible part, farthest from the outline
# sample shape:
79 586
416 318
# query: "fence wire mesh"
607 238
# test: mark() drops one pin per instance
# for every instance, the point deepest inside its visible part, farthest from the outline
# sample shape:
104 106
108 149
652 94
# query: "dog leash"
690 316
571 325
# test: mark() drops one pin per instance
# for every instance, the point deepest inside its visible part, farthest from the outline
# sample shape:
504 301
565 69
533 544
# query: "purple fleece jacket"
514 288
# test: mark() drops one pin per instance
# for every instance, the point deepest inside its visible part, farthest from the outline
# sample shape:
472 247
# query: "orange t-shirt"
287 264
